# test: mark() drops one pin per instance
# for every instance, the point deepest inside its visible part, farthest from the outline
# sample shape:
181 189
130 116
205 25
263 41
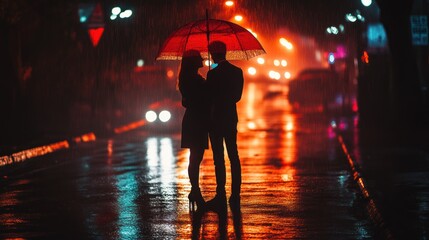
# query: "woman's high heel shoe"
196 200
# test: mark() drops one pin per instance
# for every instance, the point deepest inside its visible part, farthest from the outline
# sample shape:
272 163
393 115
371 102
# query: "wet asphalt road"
297 184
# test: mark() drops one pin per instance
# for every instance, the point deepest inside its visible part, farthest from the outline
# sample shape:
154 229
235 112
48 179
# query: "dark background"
51 73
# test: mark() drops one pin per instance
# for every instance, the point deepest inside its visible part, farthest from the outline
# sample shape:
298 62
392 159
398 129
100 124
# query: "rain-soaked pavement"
297 184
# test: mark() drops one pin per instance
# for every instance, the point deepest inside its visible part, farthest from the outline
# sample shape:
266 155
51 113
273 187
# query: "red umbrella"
241 44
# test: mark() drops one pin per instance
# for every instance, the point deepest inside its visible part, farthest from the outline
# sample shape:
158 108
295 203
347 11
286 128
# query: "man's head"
218 50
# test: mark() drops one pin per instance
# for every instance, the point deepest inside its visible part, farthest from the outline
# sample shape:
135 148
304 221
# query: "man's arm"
239 85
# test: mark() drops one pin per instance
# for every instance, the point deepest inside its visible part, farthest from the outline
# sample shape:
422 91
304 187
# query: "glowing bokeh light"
274 75
331 58
150 116
350 17
286 43
140 63
126 14
164 116
366 3
116 10
251 125
170 73
238 18
251 70
229 3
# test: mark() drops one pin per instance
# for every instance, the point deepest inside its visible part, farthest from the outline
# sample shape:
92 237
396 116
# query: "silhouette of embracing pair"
211 113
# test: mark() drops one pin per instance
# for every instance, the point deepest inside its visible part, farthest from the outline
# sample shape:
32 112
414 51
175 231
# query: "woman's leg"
195 196
195 159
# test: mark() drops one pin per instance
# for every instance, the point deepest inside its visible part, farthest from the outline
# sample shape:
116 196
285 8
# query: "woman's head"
191 62
192 59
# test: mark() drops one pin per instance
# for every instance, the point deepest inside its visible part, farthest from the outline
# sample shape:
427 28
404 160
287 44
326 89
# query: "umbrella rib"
188 35
239 42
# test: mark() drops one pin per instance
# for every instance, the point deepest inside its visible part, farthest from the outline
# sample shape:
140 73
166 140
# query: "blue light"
85 10
331 58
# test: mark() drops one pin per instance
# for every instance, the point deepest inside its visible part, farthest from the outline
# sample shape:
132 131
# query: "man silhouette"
225 86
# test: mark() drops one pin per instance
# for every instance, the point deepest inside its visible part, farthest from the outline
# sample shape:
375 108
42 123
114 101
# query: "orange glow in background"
85 138
129 127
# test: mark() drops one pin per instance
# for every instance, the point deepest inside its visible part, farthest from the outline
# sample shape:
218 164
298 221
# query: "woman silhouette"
195 121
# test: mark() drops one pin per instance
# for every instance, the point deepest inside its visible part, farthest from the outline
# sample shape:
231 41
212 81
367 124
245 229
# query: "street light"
117 12
353 17
286 43
229 3
366 3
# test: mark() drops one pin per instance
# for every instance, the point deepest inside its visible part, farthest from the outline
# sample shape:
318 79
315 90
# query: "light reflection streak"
161 162
278 149
182 168
167 165
7 201
288 174
250 103
128 218
152 157
109 151
288 138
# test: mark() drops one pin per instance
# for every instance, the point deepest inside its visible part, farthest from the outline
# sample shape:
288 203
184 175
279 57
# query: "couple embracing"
211 113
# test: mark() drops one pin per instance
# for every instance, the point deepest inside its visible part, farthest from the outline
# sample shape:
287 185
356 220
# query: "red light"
365 57
95 35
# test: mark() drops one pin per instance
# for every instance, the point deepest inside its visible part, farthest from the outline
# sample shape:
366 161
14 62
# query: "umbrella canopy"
240 43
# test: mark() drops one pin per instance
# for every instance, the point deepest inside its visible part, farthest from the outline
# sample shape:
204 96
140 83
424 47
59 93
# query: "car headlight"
164 116
150 116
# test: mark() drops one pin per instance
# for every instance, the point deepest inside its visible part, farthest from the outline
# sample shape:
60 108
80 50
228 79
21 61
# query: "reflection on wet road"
296 184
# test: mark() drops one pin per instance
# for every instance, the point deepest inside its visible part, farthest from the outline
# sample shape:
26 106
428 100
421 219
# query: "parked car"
316 88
